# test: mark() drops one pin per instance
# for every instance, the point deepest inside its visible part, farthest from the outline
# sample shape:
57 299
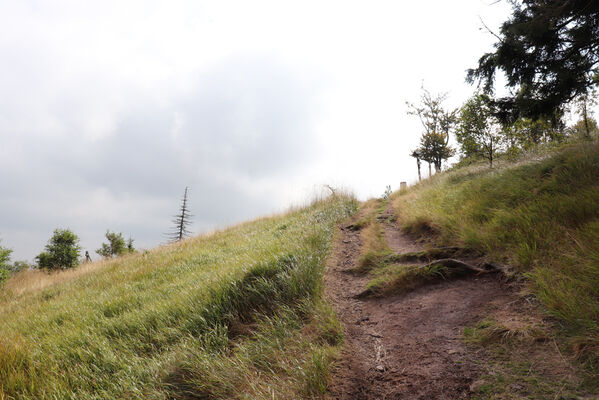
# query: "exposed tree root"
452 263
408 278
430 255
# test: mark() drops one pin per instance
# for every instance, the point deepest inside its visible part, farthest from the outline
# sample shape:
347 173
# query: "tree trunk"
586 121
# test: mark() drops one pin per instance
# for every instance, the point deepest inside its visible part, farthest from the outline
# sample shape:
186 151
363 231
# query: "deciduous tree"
62 251
437 123
433 116
115 246
434 149
478 132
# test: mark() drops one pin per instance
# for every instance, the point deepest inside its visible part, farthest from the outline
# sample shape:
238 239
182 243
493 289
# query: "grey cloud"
246 120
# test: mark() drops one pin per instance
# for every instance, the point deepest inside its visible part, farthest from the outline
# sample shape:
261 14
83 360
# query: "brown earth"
409 346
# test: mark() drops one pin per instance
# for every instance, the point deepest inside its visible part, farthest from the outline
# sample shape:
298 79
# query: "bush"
116 245
18 266
4 275
62 251
4 257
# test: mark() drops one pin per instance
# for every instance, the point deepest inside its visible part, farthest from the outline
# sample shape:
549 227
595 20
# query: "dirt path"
410 346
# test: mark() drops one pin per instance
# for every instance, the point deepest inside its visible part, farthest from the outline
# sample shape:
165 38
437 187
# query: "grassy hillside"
539 216
234 314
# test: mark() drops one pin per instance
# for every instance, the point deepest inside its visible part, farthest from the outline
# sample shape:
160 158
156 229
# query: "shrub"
4 257
116 245
62 251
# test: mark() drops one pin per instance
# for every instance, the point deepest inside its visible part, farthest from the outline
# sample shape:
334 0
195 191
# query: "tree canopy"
434 149
62 251
437 123
433 116
478 132
115 247
549 52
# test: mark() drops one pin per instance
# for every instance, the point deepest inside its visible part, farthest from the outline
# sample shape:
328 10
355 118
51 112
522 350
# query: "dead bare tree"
181 221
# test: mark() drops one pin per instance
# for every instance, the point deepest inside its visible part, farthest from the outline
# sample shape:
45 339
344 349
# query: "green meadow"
232 314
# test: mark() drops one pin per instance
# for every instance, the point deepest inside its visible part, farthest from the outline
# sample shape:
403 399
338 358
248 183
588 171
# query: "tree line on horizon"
548 52
64 252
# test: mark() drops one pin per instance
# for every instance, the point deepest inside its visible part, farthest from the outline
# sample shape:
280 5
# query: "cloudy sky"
108 110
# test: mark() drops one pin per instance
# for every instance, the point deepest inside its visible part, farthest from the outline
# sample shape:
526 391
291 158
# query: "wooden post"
403 185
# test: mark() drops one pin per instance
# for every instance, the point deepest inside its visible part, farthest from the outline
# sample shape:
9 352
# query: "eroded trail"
408 346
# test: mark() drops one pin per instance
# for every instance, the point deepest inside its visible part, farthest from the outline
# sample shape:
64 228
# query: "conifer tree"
549 53
181 221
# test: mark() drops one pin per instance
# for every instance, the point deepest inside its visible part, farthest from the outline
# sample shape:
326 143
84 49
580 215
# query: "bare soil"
409 346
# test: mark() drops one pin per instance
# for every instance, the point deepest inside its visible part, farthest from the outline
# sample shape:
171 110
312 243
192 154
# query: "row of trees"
549 53
480 132
63 250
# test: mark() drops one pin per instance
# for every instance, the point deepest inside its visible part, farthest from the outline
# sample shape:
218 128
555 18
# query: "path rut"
408 346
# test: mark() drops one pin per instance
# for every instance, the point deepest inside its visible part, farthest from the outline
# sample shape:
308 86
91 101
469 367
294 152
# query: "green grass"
540 216
234 314
374 246
400 279
522 362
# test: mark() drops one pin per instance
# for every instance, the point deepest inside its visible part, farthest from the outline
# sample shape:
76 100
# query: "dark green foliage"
115 246
549 52
62 251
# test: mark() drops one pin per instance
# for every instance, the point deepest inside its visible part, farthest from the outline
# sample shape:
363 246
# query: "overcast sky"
108 110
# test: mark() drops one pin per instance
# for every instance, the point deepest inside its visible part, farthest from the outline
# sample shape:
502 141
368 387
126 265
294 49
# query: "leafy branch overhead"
549 53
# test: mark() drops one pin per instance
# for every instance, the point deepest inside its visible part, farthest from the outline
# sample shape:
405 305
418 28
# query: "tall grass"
143 326
540 217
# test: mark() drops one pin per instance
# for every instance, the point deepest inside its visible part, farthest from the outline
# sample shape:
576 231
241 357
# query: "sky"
108 110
